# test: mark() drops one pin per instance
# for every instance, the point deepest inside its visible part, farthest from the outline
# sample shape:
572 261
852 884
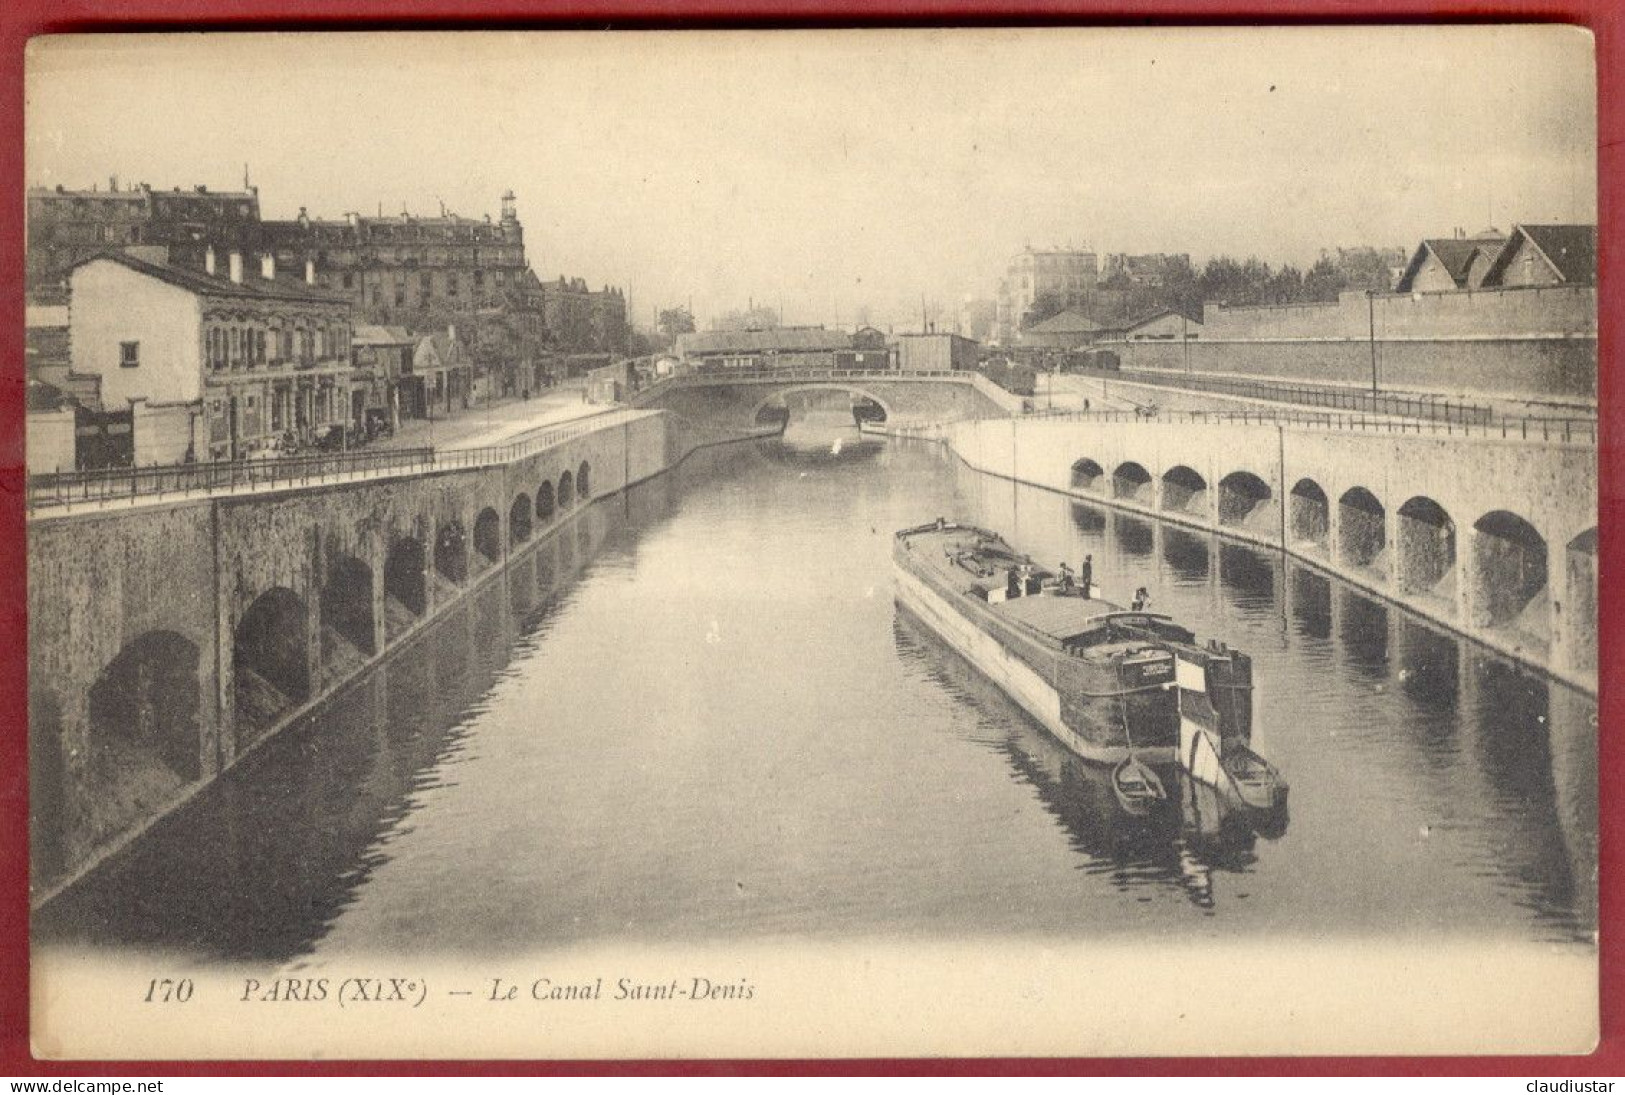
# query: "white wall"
49 438
111 304
162 434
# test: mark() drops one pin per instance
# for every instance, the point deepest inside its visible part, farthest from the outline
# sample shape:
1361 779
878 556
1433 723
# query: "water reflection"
1186 554
274 851
1176 849
1134 536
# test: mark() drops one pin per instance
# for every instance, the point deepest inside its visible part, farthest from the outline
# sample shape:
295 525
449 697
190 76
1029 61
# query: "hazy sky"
837 170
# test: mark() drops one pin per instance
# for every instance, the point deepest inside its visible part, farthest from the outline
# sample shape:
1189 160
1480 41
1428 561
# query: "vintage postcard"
871 543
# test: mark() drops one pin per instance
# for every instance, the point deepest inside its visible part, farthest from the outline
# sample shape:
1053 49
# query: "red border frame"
22 19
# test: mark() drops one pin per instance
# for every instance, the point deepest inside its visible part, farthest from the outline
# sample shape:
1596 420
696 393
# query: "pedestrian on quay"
1086 574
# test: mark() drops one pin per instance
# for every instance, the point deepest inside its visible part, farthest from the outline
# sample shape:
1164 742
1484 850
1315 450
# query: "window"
259 346
129 355
348 281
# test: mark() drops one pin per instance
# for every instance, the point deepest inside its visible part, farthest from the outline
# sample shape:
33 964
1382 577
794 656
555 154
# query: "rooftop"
196 281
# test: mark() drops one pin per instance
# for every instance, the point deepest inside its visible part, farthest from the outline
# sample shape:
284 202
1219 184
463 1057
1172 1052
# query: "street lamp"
1371 327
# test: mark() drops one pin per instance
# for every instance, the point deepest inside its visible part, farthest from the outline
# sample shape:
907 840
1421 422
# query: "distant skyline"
841 171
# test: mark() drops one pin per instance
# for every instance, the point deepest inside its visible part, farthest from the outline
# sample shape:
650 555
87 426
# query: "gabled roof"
1455 255
1068 322
196 281
1154 316
1571 249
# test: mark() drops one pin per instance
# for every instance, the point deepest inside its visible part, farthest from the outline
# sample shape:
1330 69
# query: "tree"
1045 305
1323 281
756 318
675 321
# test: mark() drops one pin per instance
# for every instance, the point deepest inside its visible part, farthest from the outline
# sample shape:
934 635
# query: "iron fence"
1531 428
156 481
1426 407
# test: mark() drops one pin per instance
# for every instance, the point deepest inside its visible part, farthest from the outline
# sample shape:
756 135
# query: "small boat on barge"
1115 685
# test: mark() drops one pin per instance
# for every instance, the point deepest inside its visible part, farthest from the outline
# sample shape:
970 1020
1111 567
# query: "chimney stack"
310 271
237 267
208 261
268 266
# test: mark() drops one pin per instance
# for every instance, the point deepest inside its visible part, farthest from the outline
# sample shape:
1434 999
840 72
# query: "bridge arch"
1184 490
1245 501
544 500
271 659
567 490
1085 474
1132 483
405 586
1509 575
145 708
584 481
1309 514
488 537
1427 550
779 397
1362 528
519 519
346 606
451 552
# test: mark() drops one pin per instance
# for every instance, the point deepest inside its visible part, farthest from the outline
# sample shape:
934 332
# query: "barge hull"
1038 697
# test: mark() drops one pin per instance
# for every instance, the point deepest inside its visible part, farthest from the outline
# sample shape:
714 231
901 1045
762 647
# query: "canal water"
695 713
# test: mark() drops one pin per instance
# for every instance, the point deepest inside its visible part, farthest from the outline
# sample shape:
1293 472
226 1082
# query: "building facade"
177 227
935 352
1070 276
233 360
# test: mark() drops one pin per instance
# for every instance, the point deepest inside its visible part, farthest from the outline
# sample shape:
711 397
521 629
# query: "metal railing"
1426 407
106 484
791 373
1557 430
67 489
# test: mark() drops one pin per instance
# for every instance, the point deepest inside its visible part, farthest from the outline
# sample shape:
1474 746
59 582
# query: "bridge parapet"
734 398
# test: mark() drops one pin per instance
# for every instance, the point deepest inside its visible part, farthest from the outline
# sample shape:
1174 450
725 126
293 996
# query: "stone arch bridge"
1496 539
734 400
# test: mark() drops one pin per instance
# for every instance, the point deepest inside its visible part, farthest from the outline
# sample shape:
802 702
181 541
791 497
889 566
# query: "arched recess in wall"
1086 474
405 587
451 552
1309 515
1184 490
1427 551
488 537
519 520
270 660
145 708
1509 574
1131 483
1245 501
1362 528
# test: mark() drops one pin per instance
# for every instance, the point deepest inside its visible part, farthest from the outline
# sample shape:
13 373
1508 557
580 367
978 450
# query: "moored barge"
1110 682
